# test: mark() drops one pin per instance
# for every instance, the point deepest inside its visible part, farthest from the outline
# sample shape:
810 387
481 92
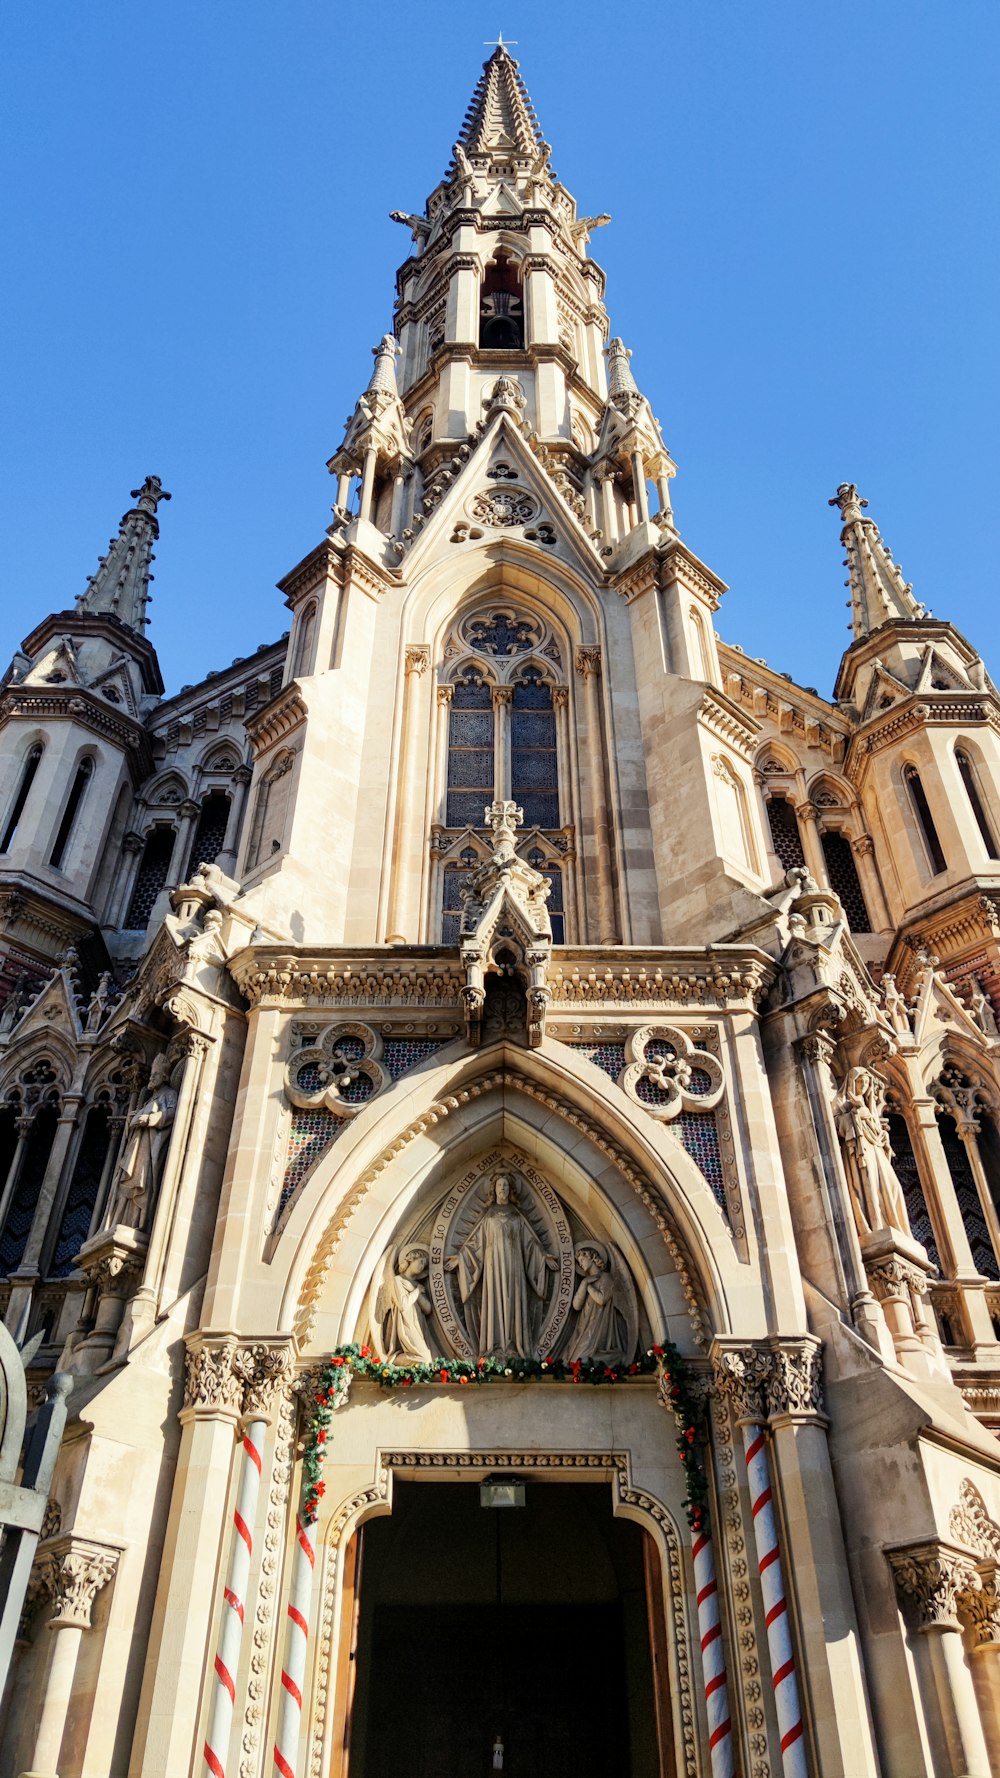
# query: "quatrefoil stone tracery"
332 1071
666 1074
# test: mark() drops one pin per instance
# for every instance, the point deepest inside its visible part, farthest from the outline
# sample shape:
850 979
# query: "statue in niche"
399 1304
146 1142
606 1325
500 1267
876 1194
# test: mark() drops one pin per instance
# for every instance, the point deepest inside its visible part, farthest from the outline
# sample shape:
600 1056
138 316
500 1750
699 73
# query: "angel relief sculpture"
399 1304
607 1320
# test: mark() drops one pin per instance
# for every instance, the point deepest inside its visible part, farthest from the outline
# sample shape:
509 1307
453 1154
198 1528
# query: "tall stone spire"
121 584
501 115
879 593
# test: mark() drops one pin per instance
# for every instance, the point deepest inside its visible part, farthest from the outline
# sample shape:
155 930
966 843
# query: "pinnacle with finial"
120 588
879 593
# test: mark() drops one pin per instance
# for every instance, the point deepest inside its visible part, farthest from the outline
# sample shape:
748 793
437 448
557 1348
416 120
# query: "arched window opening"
304 642
150 877
210 833
534 779
785 836
21 1209
84 773
471 771
967 772
702 656
922 810
501 307
967 1195
555 902
907 1172
31 765
78 1210
844 880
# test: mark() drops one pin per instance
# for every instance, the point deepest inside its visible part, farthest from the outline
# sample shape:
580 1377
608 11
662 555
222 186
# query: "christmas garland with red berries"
360 1363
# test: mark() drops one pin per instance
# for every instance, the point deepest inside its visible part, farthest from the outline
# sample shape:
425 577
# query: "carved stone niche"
500 1268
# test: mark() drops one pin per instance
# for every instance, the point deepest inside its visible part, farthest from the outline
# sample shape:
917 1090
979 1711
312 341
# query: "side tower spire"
120 588
879 593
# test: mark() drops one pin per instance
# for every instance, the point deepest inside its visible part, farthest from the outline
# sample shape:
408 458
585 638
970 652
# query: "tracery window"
150 877
36 1105
210 834
922 810
907 1172
534 779
844 880
967 772
967 1194
785 836
31 764
471 753
81 1199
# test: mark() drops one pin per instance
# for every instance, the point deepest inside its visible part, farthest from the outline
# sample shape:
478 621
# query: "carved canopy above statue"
500 1269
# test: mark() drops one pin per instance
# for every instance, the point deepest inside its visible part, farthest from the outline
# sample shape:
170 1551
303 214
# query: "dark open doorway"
528 1634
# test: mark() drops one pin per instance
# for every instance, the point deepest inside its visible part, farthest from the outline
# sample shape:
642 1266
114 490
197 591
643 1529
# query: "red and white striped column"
713 1658
293 1668
779 1635
227 1656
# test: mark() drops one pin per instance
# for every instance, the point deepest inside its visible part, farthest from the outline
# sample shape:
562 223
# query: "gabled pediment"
57 666
884 690
938 673
501 493
115 686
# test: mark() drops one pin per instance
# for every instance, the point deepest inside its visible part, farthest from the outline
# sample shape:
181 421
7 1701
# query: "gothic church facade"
501 979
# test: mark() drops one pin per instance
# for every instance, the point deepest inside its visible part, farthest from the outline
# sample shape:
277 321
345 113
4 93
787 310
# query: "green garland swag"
360 1362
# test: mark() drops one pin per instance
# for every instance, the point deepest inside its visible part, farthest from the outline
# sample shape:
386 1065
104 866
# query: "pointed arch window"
31 765
150 877
844 880
967 772
471 753
84 773
26 1187
304 642
907 1172
785 836
922 810
81 1199
967 1194
210 834
533 767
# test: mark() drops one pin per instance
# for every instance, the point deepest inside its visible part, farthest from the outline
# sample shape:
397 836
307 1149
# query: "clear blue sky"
803 258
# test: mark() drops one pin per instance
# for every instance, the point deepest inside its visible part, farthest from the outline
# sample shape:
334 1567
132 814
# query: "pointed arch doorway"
522 1638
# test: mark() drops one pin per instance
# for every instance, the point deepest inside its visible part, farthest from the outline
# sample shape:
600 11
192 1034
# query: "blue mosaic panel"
308 1078
358 1090
401 1053
609 1056
310 1136
699 1134
700 1082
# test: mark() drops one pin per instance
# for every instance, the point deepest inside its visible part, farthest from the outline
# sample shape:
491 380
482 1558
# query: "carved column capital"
818 1047
807 811
242 1381
588 662
75 1569
417 659
133 842
243 775
742 1375
929 1578
445 694
502 696
560 697
794 1387
979 1609
863 846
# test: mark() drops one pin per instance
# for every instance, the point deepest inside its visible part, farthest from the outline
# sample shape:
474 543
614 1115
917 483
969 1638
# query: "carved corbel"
75 1570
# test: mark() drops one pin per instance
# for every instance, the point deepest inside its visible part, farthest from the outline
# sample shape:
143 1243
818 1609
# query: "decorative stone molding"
244 1381
970 1523
211 1381
929 1578
74 1570
265 1372
329 1243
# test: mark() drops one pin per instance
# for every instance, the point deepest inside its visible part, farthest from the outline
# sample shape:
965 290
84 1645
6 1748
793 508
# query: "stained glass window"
470 755
534 781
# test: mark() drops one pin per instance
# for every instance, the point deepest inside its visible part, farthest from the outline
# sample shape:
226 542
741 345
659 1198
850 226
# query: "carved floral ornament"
243 1380
70 1571
783 1378
340 1071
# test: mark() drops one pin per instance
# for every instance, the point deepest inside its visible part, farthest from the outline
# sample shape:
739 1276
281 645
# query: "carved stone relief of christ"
500 1270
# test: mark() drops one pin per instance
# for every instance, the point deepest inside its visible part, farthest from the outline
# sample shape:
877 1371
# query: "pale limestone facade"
277 997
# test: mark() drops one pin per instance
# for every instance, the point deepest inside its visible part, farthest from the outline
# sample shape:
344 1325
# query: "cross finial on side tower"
120 587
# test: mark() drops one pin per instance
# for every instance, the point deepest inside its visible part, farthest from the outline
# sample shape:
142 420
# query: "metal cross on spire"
498 42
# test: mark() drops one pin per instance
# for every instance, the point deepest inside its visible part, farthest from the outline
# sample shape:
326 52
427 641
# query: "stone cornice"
278 719
308 574
630 980
927 709
103 623
75 703
728 724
